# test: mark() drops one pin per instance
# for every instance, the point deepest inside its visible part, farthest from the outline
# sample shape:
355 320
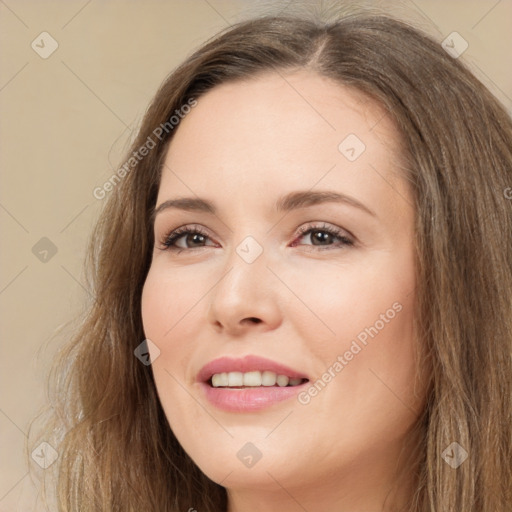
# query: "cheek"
334 304
360 326
169 299
170 305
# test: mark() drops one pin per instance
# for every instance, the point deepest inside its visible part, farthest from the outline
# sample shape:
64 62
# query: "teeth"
235 379
220 379
268 378
253 379
282 380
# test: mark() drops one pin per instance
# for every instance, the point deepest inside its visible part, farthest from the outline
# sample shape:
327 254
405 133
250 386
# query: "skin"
242 147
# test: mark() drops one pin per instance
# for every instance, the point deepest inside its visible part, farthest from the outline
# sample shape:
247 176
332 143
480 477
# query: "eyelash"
335 232
171 238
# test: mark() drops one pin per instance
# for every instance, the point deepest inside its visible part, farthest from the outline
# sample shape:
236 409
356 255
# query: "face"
296 246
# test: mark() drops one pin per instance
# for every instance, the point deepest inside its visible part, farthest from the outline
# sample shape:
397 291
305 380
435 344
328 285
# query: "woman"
310 241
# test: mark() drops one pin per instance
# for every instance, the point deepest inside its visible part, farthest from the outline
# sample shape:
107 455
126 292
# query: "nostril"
254 320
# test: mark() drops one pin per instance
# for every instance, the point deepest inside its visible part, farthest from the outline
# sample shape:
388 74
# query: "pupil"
196 238
321 237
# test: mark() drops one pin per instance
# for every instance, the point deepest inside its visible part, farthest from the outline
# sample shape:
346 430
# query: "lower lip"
249 399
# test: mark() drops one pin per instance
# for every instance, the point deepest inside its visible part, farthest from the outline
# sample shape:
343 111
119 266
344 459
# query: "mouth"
249 384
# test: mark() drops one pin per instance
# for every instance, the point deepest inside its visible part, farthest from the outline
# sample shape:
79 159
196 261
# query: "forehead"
279 131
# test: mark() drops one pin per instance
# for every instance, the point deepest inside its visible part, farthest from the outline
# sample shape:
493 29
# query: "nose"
245 298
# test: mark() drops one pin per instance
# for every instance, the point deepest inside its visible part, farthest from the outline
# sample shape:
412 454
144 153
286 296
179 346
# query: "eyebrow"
291 201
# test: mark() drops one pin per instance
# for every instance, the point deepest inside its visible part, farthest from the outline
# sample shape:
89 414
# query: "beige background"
65 120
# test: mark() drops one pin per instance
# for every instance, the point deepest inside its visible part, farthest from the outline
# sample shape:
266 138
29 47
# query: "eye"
323 237
185 237
320 237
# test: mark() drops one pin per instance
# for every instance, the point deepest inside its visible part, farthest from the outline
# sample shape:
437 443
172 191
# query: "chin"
236 463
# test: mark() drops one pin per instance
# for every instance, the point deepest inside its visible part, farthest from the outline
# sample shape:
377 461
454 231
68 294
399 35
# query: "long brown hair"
116 450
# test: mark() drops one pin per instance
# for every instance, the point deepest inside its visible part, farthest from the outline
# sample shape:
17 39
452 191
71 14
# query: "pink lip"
247 399
246 364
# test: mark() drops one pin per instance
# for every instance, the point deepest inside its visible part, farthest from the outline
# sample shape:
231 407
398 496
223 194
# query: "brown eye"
194 239
324 236
185 238
319 237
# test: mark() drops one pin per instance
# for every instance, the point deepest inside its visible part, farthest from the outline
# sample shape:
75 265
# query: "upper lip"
246 364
